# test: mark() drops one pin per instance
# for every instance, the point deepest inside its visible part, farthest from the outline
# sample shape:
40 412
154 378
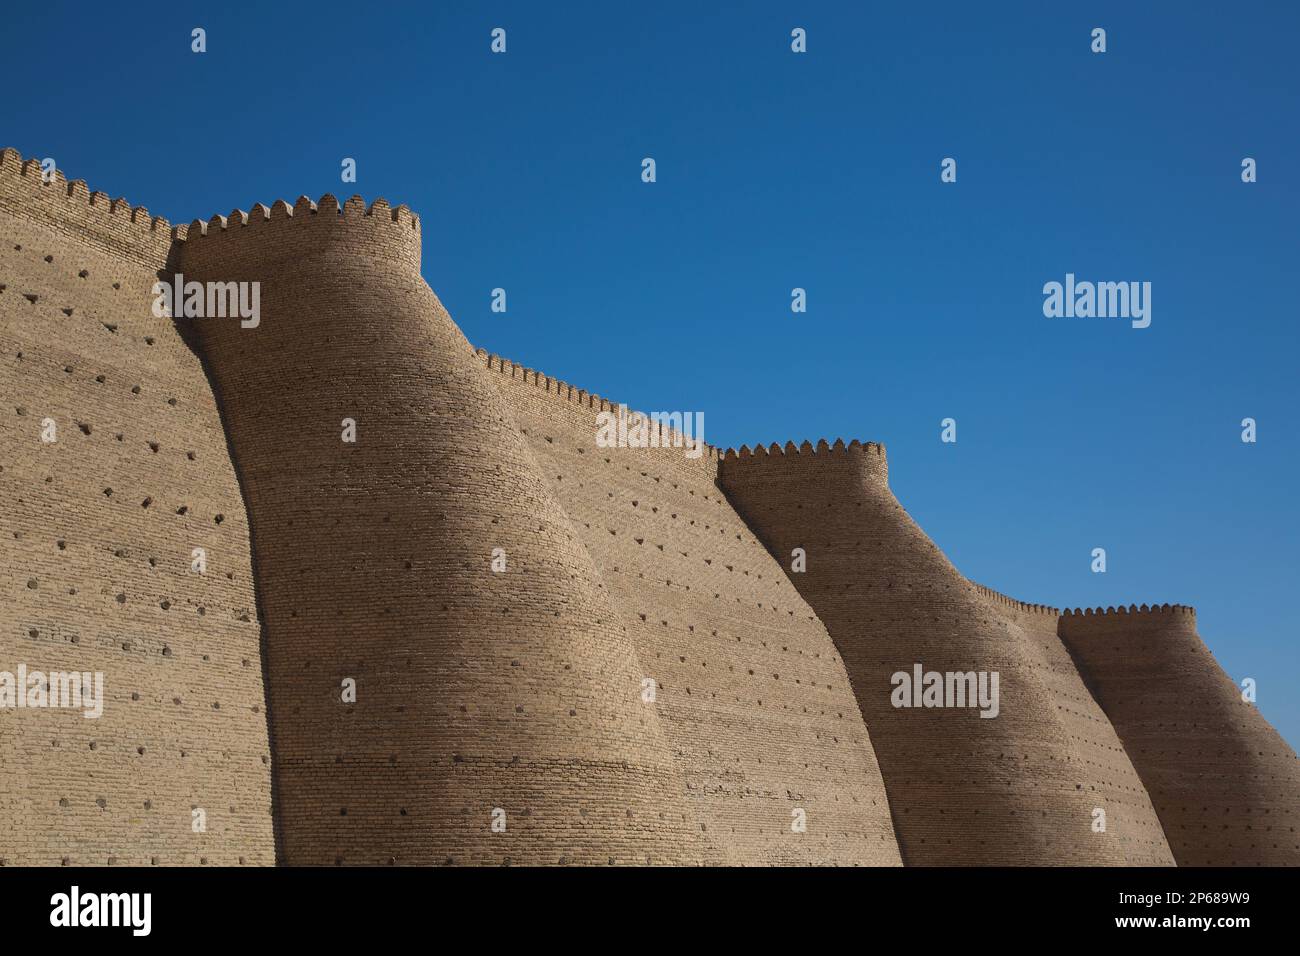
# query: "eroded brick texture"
516 696
1225 783
476 690
753 695
1096 743
1019 788
98 531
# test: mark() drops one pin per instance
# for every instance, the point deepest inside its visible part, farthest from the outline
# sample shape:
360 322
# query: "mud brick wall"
98 529
501 715
476 690
1130 817
753 696
1224 782
1016 789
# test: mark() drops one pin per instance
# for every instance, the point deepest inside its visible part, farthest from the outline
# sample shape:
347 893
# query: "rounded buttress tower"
497 714
1225 783
1017 788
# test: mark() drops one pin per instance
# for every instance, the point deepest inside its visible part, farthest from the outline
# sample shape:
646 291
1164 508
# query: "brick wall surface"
1020 788
1225 783
477 691
501 711
98 530
753 695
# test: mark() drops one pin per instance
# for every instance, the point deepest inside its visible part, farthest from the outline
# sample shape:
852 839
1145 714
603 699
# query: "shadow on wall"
189 335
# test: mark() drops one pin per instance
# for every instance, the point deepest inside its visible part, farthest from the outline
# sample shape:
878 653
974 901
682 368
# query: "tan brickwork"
1019 788
1225 783
647 679
98 532
477 691
753 695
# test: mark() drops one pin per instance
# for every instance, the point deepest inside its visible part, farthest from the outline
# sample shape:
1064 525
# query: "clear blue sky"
821 170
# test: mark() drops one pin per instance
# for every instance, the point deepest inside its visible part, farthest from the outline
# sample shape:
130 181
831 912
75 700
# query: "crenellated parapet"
561 390
265 236
564 392
355 210
114 226
999 598
1132 611
855 461
806 448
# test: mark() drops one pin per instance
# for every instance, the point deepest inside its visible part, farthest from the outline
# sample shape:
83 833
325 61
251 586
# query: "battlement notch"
114 225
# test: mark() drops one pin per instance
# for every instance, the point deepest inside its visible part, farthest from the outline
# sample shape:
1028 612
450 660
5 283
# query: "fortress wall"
1016 789
95 571
475 690
1130 817
752 693
520 690
1225 783
70 212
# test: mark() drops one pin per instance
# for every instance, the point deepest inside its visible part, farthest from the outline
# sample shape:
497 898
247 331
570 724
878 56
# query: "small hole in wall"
183 509
83 273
